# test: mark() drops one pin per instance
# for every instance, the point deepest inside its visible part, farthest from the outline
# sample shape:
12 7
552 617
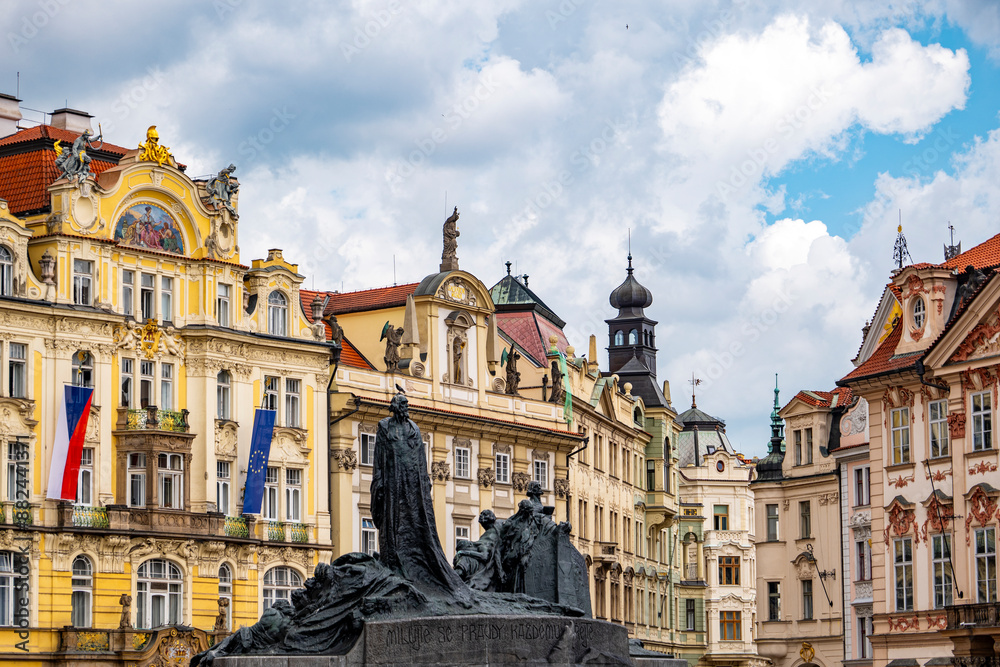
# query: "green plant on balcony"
236 526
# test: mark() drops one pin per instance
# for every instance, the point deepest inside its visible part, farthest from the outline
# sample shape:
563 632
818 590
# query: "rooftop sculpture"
74 164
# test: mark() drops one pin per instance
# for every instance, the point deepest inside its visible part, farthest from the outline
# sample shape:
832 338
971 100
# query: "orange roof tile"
531 332
982 256
350 356
355 302
843 396
55 134
884 360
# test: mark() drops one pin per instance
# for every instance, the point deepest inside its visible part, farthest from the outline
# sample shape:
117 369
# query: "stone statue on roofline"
449 256
74 163
392 336
222 187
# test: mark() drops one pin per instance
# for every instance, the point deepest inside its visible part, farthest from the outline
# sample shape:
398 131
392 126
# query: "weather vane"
694 383
899 251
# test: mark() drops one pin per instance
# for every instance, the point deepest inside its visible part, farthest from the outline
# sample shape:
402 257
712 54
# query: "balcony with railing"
981 615
85 516
152 418
237 526
605 552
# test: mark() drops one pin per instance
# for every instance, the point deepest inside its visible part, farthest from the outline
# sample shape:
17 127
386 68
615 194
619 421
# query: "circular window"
919 314
720 466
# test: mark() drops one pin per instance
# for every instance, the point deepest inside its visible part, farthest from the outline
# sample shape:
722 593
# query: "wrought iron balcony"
152 418
297 532
85 516
236 526
965 616
275 531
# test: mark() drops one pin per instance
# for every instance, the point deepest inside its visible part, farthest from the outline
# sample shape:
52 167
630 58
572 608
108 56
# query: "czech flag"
260 450
71 428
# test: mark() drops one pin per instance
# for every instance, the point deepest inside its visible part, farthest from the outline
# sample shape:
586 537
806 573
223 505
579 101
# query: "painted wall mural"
149 226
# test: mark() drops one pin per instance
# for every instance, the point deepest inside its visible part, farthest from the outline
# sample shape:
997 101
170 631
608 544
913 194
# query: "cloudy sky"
760 152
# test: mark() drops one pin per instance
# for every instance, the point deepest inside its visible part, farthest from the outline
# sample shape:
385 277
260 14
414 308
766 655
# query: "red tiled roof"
350 356
25 176
982 256
883 360
825 399
531 332
355 302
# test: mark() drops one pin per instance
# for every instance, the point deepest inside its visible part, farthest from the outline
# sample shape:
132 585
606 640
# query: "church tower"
632 338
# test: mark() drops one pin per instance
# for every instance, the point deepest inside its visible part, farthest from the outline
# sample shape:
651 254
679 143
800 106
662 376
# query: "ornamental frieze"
561 487
268 556
440 471
519 481
981 341
900 522
457 290
487 477
981 509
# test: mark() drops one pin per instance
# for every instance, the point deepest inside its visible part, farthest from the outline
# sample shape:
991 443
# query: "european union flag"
260 449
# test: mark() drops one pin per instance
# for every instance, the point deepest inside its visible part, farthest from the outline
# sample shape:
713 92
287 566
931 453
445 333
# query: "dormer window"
919 313
277 314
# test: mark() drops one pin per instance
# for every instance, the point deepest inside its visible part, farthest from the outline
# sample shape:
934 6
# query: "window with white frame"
941 566
864 637
11 605
277 314
986 565
462 456
166 299
128 291
85 478
279 582
126 382
863 552
982 421
6 272
807 599
772 522
17 364
919 313
503 468
147 296
147 371
222 486
159 592
222 305
900 435
903 573
17 462
226 592
223 385
862 486
937 427
83 272
366 442
82 596
269 508
541 472
798 447
293 494
271 389
166 386
369 537
170 475
136 479
292 391
83 369
461 533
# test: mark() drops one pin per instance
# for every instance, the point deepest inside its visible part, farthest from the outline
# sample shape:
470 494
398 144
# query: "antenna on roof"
393 270
899 250
952 250
18 94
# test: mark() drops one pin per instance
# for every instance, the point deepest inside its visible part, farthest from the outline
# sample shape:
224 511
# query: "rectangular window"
17 455
222 305
293 494
83 272
128 296
864 560
137 480
17 371
729 570
462 455
941 565
367 447
369 537
167 387
126 383
12 605
809 445
503 468
271 392
269 507
85 478
903 573
772 523
689 614
862 486
461 533
721 517
986 565
166 299
982 421
807 599
798 448
223 386
937 426
147 288
730 623
222 482
292 392
805 519
900 425
146 375
773 601
541 473
170 474
864 637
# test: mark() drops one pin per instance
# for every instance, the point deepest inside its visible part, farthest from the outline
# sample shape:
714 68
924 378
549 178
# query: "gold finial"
152 151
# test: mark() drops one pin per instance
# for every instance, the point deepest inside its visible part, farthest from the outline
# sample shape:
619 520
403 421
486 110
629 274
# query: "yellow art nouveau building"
125 276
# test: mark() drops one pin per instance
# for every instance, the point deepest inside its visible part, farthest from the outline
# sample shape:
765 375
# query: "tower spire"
694 383
777 425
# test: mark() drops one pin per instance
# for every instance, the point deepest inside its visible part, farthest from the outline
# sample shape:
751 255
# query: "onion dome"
630 297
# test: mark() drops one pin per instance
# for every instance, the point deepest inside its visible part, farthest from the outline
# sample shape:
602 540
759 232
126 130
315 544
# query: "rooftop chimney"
71 119
10 113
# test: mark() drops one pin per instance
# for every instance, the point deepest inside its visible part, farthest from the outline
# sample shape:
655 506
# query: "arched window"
159 591
918 313
277 314
619 338
637 415
83 590
222 386
6 272
633 337
279 582
226 592
83 369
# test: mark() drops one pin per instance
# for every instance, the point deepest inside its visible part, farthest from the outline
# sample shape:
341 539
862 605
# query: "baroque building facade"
126 278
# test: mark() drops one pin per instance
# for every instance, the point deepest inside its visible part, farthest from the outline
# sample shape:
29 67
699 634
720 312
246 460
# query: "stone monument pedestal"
491 641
